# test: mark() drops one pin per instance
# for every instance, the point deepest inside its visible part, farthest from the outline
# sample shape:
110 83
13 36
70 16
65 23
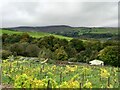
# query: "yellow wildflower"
104 73
87 84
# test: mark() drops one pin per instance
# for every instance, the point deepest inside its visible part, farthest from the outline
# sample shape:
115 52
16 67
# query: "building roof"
97 61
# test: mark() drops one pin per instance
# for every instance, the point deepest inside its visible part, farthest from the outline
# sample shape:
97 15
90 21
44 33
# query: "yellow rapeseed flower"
71 69
104 73
87 84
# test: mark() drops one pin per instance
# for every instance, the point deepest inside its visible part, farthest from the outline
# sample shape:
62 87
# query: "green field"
30 74
105 30
34 34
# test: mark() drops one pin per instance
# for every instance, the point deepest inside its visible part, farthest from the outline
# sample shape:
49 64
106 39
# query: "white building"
96 62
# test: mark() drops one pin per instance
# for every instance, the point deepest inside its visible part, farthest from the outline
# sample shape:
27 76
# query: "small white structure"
96 62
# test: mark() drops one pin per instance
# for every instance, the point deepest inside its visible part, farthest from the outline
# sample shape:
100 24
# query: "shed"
96 62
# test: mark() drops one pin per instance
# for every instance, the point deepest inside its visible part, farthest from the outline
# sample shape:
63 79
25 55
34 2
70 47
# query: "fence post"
80 86
108 81
30 64
48 86
60 77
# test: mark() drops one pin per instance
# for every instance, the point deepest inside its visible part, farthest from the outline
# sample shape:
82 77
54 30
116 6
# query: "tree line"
53 48
86 34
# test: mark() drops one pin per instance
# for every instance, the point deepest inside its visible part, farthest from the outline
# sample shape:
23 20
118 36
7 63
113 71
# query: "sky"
76 13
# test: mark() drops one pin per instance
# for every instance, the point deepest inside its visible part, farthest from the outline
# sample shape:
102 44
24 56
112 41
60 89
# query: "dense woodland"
87 34
75 50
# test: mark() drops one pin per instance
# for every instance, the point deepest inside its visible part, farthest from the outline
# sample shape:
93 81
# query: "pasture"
33 34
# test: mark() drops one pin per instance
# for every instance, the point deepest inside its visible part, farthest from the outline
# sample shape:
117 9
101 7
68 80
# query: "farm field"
31 74
105 30
64 45
33 34
21 73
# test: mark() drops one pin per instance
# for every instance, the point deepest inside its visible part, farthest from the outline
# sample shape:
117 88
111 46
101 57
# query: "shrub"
77 44
109 55
110 43
4 36
70 51
17 48
60 54
32 50
93 45
11 38
45 53
5 53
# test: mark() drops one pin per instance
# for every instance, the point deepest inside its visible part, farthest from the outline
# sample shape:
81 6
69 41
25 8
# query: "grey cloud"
45 13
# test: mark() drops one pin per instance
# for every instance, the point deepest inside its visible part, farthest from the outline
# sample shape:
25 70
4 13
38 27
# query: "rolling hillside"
101 33
43 28
33 34
64 28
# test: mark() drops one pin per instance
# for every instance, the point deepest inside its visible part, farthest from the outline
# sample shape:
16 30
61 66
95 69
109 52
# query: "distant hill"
65 28
42 28
74 32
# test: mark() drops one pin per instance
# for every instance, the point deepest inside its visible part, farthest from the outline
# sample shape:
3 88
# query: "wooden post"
10 66
9 79
30 64
108 81
17 62
40 72
49 87
100 78
22 69
43 67
83 77
60 77
80 86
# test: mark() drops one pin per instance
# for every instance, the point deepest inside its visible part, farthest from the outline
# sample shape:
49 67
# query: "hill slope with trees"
53 48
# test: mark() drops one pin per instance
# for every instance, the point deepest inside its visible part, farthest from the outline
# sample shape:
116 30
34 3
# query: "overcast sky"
55 12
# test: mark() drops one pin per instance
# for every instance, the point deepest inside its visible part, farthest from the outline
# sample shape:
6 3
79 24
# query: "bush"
87 55
71 52
11 38
5 54
77 44
32 50
110 43
93 45
109 55
45 53
60 54
4 36
17 48
25 37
